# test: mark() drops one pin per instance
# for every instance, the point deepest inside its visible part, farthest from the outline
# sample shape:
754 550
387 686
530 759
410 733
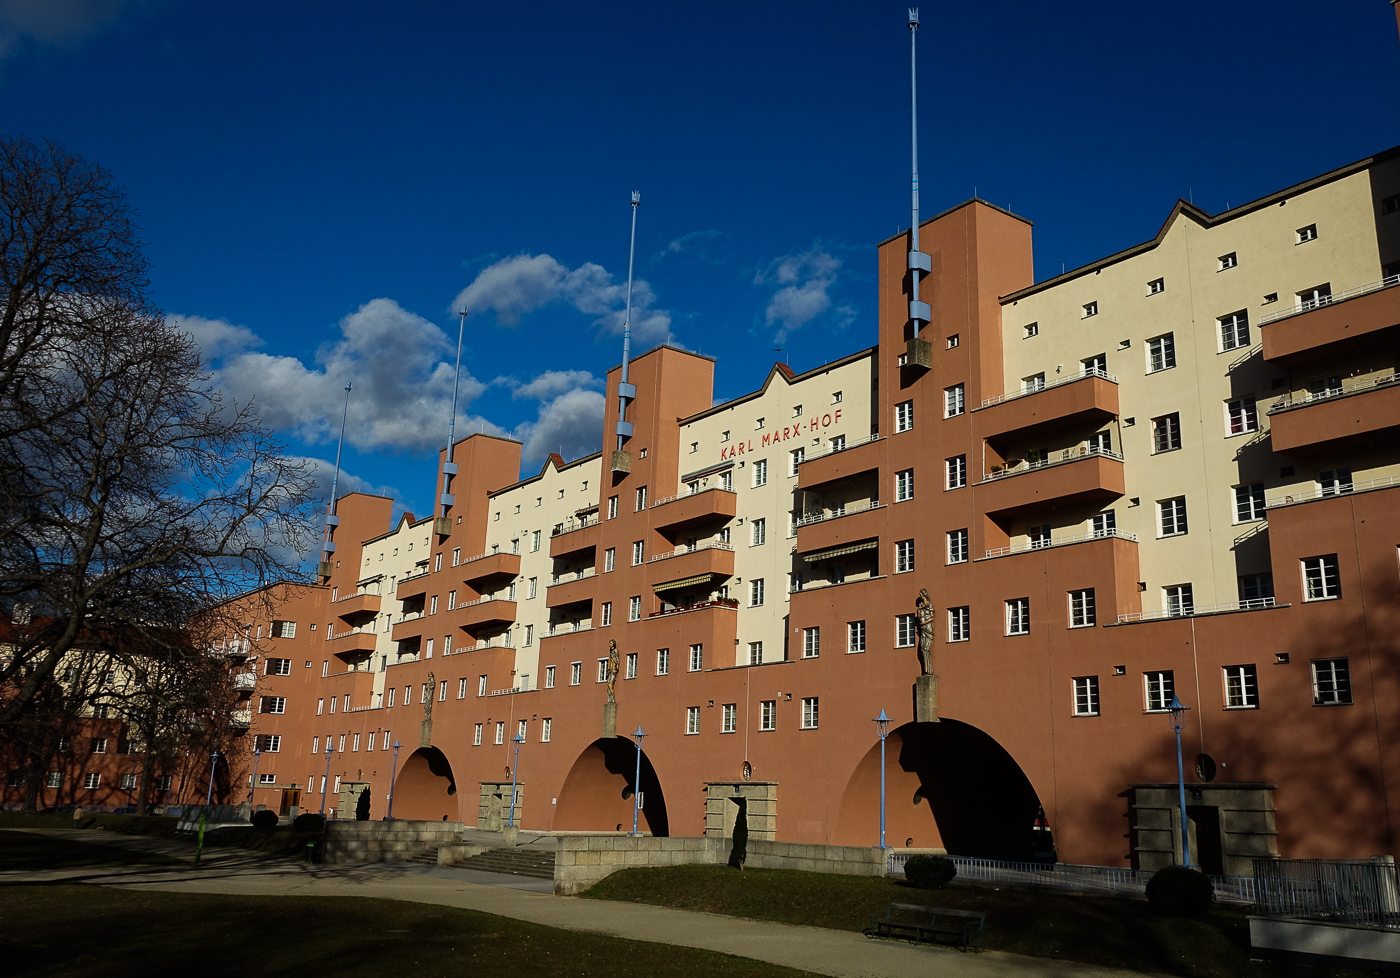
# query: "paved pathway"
825 952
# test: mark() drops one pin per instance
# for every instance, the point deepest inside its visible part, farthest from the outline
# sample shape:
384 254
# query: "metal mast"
449 467
327 544
919 264
625 391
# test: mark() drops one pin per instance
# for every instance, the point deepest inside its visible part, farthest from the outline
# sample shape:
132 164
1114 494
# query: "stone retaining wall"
386 842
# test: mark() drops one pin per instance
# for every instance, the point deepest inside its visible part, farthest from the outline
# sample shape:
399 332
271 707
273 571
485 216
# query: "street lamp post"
882 727
1176 709
514 773
257 756
325 778
213 765
393 777
640 735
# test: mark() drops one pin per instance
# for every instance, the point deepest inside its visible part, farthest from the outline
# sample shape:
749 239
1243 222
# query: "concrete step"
428 857
531 863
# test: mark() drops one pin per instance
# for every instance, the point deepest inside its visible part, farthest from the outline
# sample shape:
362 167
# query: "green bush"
929 872
1178 891
265 819
309 822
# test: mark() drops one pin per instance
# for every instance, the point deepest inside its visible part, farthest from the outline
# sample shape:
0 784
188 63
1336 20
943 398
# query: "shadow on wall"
426 788
597 794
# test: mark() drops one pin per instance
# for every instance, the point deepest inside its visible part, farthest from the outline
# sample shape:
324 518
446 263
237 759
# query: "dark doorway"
1208 855
597 794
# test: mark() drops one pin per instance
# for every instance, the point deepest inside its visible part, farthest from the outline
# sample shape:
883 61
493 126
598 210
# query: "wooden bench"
920 922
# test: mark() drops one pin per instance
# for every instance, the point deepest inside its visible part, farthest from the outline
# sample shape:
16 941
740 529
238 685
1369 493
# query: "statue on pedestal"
613 661
923 611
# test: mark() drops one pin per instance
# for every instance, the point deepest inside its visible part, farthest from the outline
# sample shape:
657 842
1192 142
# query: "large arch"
597 794
947 785
426 788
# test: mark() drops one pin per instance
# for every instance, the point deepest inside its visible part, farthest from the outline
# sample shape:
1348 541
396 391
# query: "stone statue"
923 610
613 661
429 690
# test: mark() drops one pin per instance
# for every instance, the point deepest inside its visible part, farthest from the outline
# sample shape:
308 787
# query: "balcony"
414 584
571 589
688 568
564 628
352 643
475 570
244 682
484 611
1075 475
240 719
1063 541
573 536
1084 397
1357 412
354 606
712 624
1297 333
856 458
820 531
1345 489
707 505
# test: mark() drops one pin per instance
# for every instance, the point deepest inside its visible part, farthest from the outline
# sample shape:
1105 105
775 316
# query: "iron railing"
1062 542
1327 300
850 510
1340 489
682 551
1356 891
1348 387
845 447
1061 457
1192 610
1083 374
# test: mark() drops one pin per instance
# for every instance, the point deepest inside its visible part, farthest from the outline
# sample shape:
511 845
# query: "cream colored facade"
1258 260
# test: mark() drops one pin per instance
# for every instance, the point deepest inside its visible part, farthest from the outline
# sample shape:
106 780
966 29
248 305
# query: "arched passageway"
947 784
425 787
597 794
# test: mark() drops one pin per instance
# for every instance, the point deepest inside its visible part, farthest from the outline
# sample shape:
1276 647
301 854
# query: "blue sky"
321 184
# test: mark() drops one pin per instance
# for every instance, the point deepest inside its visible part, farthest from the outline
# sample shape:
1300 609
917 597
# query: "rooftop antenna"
919 264
443 526
622 460
332 521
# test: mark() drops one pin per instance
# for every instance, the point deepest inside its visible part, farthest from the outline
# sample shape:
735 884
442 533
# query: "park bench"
919 922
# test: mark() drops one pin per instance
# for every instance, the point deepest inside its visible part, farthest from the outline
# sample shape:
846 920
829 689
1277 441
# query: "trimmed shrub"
309 822
265 819
929 872
1178 891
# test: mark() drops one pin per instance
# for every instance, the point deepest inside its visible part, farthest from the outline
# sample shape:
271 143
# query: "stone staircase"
534 863
427 857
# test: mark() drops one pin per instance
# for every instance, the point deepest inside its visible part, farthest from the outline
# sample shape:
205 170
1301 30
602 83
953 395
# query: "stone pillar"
609 719
926 699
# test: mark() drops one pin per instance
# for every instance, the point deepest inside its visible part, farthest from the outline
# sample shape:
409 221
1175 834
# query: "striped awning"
817 556
685 582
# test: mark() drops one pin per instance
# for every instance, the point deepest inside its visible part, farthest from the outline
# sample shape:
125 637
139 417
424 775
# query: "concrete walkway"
818 950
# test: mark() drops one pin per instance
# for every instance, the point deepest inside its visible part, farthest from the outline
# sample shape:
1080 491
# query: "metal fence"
1358 891
1102 879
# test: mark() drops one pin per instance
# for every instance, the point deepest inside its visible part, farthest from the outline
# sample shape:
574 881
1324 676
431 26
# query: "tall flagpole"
332 521
919 264
449 467
625 391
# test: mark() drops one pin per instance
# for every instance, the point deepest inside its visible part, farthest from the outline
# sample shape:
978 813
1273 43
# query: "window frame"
1084 699
1018 616
958 539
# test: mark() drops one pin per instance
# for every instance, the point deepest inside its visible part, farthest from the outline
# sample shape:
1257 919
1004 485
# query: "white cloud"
803 290
695 243
216 337
56 21
521 284
323 474
552 383
401 367
570 424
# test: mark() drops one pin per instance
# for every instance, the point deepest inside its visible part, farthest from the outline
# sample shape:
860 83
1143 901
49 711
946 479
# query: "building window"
129 781
838 443
99 745
641 498
1331 679
1234 330
1391 204
692 720
759 532
905 631
810 707
279 667
1178 600
1096 365
1166 433
548 677
1035 382
755 592
1172 516
1038 536
1029 330
1090 309
612 507
609 560
605 615
1321 581
269 743
797 457
1086 696
1241 688
959 624
1242 416
1158 690
811 643
1081 608
903 556
284 629
952 341
697 657
1156 285
1161 353
663 662
1249 502
755 653
760 473
55 780
955 471
546 729
639 548
797 411
855 636
729 717
1332 482
480 687
957 546
1318 295
954 401
575 673
758 425
91 780
631 665
1256 589
501 732
634 608
476 736
275 704
903 416
1018 616
768 715
903 485
1308 233
603 670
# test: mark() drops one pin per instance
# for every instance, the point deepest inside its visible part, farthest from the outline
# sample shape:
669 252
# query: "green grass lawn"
1095 930
24 851
100 932
280 841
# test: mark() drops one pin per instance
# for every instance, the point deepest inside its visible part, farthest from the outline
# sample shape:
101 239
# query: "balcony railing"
1062 542
682 551
567 628
837 514
1328 300
1341 489
732 604
570 525
576 576
688 493
1195 610
506 642
845 447
1028 391
485 599
358 594
244 680
493 553
1348 387
366 630
1056 458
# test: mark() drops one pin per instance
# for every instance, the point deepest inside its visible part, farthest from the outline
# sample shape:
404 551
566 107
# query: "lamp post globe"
213 766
